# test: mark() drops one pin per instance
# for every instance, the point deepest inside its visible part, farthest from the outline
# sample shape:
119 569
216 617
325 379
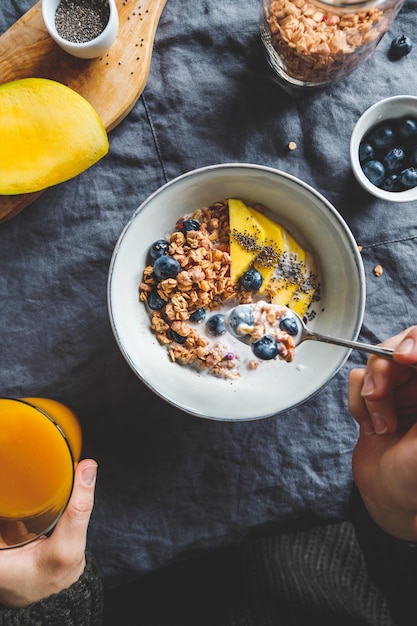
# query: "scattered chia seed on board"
80 21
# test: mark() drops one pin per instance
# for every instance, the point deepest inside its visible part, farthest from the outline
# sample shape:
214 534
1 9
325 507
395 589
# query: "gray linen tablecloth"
171 485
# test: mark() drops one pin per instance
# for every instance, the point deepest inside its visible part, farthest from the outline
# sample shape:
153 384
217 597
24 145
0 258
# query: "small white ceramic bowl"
276 385
89 49
389 108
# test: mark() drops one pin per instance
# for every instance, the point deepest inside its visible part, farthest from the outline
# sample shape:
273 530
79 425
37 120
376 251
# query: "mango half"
290 272
48 134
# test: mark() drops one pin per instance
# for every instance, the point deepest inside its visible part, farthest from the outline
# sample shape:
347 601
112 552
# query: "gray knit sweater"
289 578
79 605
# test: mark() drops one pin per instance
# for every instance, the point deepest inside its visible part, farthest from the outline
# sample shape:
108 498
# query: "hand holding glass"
40 441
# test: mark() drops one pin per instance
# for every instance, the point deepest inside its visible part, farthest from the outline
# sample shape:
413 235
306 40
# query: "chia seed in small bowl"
84 29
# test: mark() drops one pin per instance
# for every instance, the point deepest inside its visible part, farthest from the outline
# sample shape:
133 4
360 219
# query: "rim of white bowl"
336 216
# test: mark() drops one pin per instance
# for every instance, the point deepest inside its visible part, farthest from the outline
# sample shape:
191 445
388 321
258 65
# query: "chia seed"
80 21
291 270
246 241
268 257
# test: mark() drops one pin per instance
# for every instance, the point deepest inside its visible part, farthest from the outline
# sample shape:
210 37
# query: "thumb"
74 522
406 350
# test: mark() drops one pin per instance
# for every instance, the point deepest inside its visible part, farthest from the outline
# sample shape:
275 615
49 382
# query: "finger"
372 417
395 340
406 350
73 525
381 377
385 379
378 392
384 373
356 403
388 387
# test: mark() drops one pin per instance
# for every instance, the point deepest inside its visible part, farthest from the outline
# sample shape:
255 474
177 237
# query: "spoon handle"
386 353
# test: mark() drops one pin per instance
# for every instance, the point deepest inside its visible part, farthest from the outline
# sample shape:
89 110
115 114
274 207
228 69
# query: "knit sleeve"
391 563
79 605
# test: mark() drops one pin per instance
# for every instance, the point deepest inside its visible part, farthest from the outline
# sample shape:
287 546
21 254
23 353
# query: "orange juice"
37 456
65 418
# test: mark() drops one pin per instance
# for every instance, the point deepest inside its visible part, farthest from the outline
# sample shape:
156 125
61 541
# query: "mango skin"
48 134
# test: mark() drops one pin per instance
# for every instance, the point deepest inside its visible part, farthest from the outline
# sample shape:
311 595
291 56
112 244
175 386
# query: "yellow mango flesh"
273 248
48 134
290 273
302 297
246 230
284 287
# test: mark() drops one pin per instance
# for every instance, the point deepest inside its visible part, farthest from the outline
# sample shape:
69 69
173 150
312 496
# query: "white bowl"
276 385
386 109
89 49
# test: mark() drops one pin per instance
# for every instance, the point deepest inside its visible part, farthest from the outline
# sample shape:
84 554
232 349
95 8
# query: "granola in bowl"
182 302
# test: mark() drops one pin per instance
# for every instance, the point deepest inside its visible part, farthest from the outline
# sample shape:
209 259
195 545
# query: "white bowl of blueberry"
383 149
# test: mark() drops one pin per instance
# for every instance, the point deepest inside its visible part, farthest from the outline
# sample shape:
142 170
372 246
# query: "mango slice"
48 134
272 251
302 297
290 273
246 237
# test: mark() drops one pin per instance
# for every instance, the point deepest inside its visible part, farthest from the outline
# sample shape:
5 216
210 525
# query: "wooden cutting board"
112 83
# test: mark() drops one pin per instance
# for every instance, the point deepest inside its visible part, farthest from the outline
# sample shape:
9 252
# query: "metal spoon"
241 317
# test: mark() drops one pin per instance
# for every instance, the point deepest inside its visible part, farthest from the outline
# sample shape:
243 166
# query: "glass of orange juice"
40 442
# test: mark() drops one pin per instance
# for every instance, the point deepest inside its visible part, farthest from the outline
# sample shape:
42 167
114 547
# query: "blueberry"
289 324
266 348
400 46
215 325
251 280
198 315
408 178
407 128
155 302
158 248
366 152
188 225
166 267
394 160
391 183
176 337
382 136
241 315
374 171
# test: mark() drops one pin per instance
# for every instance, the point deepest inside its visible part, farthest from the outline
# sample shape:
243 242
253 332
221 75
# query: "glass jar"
312 43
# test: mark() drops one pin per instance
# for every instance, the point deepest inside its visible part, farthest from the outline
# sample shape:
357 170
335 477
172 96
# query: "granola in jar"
312 43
